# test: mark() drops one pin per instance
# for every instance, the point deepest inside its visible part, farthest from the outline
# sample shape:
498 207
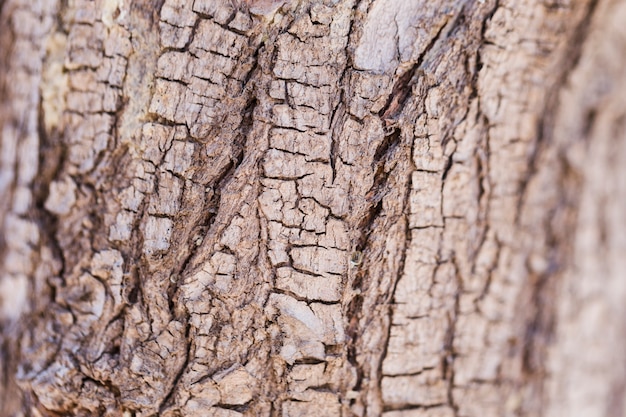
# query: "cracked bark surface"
304 208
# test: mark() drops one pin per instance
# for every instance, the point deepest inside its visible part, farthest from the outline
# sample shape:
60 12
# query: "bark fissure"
540 329
303 207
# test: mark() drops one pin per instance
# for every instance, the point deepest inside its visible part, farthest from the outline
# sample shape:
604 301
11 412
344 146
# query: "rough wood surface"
312 208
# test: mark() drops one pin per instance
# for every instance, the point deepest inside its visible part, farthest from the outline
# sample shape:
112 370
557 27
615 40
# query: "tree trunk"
313 208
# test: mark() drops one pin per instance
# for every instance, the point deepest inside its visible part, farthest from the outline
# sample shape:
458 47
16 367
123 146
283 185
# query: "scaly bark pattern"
295 208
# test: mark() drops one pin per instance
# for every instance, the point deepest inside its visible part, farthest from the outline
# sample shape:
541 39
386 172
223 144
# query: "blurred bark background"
313 208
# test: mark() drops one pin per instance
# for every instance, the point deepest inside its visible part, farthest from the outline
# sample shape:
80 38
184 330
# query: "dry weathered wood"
329 207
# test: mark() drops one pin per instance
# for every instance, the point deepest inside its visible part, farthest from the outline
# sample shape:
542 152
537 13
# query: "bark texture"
313 208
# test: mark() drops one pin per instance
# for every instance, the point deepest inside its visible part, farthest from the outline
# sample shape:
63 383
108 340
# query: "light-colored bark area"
588 364
303 208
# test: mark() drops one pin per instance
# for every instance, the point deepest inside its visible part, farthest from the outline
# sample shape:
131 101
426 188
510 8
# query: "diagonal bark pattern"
304 208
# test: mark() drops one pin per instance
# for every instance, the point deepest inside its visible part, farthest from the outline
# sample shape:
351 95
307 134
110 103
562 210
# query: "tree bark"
313 208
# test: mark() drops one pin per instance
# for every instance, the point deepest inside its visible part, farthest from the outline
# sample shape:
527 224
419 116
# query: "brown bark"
333 207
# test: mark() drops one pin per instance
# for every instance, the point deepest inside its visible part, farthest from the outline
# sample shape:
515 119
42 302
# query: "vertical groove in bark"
589 319
292 208
538 305
24 43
